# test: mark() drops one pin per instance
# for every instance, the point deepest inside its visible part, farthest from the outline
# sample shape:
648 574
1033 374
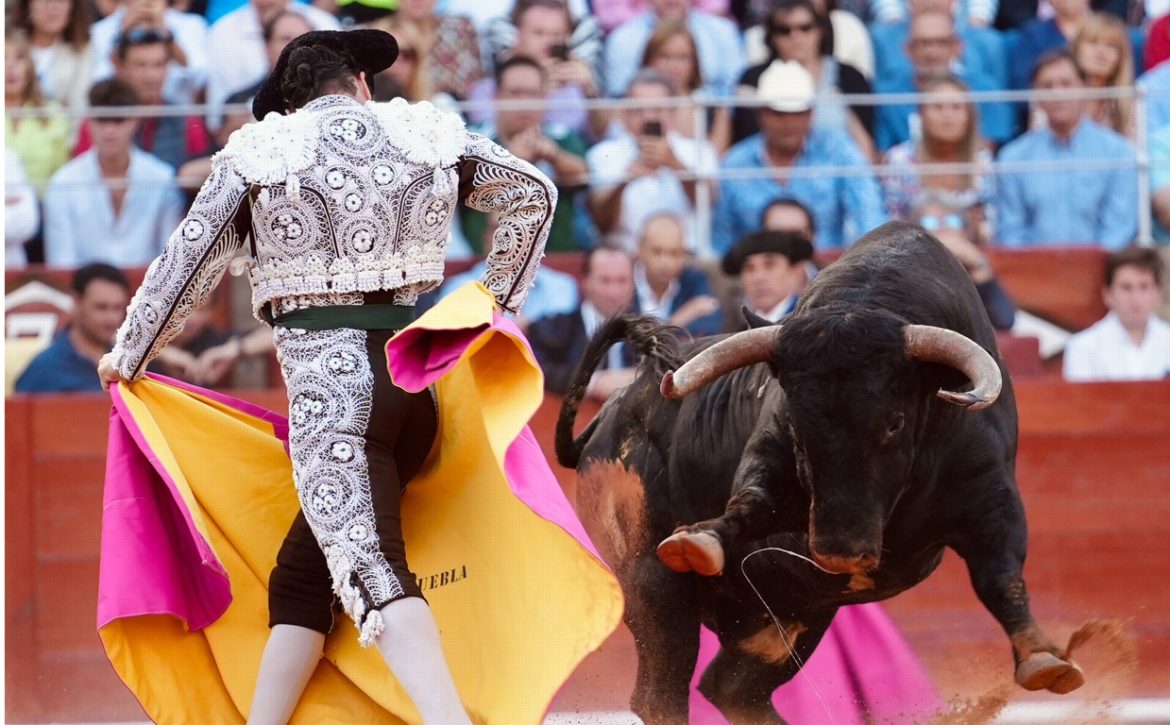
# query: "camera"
652 128
560 51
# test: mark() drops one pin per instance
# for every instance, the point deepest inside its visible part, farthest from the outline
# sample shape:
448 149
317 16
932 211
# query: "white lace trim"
425 135
274 150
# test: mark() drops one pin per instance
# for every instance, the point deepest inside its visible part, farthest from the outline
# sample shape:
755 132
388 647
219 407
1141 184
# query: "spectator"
948 221
721 55
113 203
851 41
789 215
1067 205
446 47
1157 46
197 337
408 78
770 266
950 135
1102 50
1037 37
934 47
484 13
671 51
59 33
194 171
552 293
542 34
239 36
1155 84
22 216
977 13
981 49
280 29
1130 342
140 60
1159 150
797 31
607 288
666 286
636 174
69 364
41 142
612 13
554 149
584 42
844 207
187 70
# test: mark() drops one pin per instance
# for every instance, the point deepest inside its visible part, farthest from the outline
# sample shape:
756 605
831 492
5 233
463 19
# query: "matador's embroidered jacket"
341 198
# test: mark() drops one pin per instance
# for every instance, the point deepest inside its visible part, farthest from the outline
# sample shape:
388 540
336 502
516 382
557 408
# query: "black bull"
839 436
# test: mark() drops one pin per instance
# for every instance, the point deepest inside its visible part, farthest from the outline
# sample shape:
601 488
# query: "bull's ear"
754 320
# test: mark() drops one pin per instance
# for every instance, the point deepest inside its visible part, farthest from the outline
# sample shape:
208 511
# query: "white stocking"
411 647
289 659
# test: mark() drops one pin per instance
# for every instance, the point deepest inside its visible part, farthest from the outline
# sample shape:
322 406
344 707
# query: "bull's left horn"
740 350
940 345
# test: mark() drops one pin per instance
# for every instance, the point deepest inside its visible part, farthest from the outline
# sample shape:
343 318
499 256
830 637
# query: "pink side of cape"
147 567
863 671
417 358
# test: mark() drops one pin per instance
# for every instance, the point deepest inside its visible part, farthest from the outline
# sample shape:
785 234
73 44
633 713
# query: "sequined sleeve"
189 268
493 180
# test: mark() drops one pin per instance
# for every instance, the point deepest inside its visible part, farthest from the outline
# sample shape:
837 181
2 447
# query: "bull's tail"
654 343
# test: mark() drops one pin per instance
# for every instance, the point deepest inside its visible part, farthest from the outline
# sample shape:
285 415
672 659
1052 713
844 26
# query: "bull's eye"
894 427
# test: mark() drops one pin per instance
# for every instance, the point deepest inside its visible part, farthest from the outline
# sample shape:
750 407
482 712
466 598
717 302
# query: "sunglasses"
137 36
786 30
935 222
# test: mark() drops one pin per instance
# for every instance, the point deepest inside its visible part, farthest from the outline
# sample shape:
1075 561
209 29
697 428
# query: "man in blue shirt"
717 40
1067 205
844 207
100 296
934 50
982 48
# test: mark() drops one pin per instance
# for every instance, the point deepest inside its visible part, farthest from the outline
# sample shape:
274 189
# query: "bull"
830 460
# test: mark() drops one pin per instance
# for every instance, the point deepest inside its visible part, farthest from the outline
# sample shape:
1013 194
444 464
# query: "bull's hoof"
700 552
1045 671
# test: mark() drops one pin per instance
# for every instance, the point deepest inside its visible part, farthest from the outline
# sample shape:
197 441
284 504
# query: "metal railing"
698 105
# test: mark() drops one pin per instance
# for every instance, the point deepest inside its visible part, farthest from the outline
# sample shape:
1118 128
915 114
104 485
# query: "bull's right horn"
740 350
940 345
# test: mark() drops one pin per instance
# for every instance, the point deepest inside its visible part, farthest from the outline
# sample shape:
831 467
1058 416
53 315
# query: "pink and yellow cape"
199 496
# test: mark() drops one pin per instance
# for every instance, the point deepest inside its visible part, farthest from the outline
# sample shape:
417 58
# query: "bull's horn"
940 345
741 349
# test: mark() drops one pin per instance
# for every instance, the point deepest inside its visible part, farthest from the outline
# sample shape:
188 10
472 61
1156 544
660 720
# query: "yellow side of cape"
519 601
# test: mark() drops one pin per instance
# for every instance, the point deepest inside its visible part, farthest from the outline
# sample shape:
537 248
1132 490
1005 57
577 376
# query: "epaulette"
273 151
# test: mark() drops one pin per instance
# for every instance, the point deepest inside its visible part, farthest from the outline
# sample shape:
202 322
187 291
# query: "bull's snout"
858 564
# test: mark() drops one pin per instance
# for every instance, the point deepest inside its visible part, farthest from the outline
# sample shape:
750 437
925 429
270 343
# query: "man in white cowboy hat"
843 207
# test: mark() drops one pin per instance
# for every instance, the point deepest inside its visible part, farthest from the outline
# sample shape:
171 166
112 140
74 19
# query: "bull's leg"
663 616
742 677
752 512
995 551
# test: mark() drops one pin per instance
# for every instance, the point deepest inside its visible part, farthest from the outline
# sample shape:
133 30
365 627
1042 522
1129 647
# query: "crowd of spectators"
114 108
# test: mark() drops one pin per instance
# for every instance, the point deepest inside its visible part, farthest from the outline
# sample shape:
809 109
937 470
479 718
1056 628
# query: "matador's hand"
107 372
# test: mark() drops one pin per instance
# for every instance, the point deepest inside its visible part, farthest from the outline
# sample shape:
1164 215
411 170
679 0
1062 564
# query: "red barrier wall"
1094 467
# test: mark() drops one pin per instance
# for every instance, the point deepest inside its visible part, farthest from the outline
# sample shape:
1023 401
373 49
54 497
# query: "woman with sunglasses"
797 30
945 217
949 135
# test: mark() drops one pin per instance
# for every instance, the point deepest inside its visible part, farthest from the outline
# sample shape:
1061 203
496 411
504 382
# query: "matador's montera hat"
372 50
